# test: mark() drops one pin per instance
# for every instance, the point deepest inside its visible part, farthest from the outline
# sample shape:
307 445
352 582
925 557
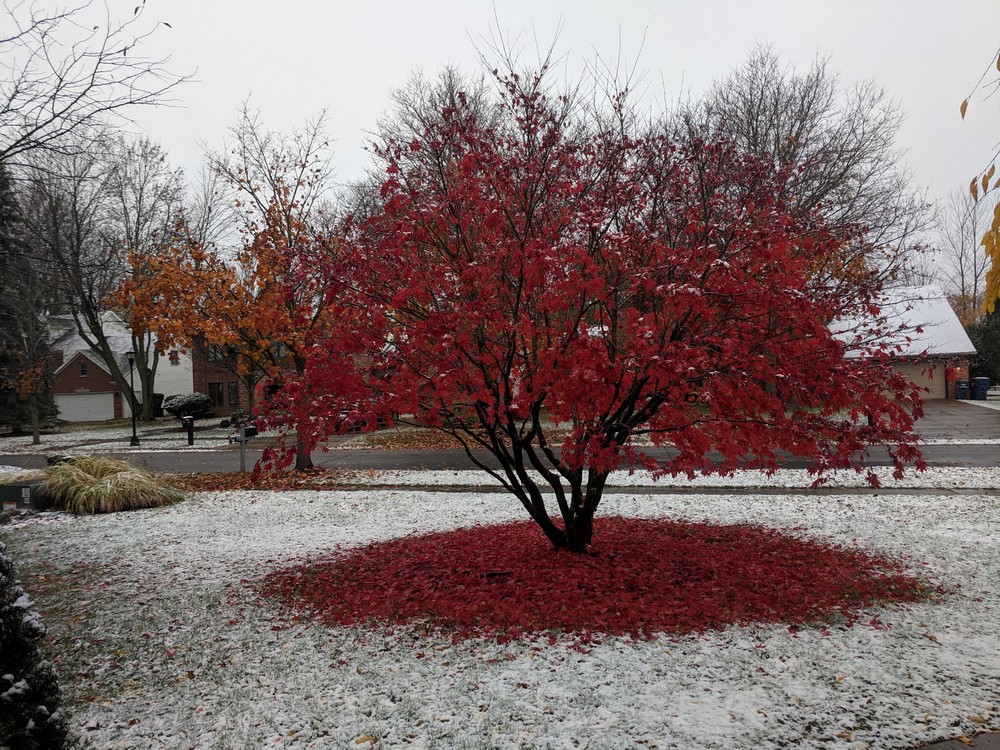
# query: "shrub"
196 405
103 485
239 417
29 691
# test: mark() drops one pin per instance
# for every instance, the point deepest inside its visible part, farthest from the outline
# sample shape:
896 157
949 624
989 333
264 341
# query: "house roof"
919 321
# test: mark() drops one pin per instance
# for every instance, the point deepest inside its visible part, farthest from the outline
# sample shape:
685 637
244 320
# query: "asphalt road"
943 421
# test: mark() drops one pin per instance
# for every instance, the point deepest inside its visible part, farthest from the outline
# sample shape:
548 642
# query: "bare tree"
70 224
963 264
837 146
143 205
65 71
268 170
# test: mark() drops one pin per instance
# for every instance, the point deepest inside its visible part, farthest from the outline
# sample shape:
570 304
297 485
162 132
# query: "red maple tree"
571 294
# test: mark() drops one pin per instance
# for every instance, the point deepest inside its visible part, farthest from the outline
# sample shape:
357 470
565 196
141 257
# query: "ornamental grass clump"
89 485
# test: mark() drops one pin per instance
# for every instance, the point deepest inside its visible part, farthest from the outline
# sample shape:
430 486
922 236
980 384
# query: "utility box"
22 496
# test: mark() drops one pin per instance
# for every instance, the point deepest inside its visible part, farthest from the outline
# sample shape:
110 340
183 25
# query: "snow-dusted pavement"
160 644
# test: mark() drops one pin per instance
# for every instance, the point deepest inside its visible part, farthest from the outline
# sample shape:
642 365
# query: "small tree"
268 305
557 288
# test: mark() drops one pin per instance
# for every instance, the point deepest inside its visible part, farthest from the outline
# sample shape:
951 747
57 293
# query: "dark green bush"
196 405
29 692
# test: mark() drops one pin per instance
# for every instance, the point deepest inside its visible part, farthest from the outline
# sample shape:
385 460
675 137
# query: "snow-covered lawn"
163 436
161 644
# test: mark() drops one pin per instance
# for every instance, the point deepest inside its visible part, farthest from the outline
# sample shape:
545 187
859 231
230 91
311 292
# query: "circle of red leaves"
642 577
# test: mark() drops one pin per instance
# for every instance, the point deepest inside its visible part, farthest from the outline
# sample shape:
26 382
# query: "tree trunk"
303 458
36 432
580 532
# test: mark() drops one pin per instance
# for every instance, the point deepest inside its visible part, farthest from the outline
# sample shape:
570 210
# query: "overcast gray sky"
296 57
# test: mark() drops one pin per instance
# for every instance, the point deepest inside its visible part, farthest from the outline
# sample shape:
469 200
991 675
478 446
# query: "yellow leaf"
976 719
846 736
974 189
965 106
998 62
841 678
364 738
964 740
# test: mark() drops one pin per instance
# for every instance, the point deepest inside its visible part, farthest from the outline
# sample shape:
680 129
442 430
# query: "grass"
90 484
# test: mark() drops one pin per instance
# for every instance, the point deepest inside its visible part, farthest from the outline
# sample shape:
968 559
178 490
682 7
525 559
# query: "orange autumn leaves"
267 302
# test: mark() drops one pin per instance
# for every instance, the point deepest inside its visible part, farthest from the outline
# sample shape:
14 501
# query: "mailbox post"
188 424
244 436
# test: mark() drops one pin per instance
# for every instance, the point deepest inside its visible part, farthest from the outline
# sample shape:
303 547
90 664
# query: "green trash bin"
980 387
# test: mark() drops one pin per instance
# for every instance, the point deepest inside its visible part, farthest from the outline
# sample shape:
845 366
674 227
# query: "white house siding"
174 380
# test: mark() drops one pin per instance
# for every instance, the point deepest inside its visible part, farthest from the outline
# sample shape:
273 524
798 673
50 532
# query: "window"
214 353
234 393
83 369
174 357
215 393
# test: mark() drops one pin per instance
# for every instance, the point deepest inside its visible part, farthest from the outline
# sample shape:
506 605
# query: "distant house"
83 388
923 336
214 374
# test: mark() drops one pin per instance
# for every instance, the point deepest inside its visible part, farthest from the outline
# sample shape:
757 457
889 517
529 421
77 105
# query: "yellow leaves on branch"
991 243
991 239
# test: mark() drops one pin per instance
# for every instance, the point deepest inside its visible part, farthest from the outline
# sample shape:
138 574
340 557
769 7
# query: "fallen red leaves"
310 479
644 577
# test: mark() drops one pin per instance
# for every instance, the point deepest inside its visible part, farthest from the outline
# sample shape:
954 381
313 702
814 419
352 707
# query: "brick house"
84 390
213 370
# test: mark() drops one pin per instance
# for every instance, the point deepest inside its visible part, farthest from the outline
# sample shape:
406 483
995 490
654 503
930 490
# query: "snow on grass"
160 643
934 478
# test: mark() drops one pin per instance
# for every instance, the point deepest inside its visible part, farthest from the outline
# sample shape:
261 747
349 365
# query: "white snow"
918 321
177 653
946 477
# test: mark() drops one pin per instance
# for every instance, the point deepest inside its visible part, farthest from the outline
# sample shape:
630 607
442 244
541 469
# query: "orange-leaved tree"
268 304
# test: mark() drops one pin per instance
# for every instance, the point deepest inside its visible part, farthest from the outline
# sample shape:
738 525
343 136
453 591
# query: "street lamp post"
131 385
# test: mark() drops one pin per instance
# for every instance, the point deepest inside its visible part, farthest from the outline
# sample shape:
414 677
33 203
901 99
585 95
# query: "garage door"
85 407
926 375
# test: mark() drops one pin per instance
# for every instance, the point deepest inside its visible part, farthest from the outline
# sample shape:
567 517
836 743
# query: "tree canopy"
570 292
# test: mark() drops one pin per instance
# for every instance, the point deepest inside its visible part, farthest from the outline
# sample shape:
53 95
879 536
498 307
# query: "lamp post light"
131 385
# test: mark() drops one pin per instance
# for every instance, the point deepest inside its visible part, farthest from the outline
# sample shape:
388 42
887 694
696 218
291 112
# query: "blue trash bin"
980 387
962 389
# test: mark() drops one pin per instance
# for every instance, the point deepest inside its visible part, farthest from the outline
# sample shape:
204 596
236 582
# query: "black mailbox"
248 432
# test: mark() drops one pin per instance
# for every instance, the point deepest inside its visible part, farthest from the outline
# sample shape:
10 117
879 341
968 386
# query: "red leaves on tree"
561 291
643 577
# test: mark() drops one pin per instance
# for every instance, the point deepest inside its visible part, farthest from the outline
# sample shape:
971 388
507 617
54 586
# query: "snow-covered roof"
918 321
